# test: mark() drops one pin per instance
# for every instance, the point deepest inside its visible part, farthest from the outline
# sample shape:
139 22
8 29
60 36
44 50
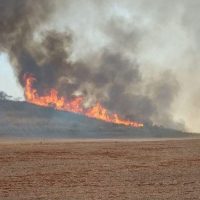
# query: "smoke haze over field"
138 58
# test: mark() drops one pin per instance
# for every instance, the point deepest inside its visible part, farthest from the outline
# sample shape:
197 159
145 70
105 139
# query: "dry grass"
100 170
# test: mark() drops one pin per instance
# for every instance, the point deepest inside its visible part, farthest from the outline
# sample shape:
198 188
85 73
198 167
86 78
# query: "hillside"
24 120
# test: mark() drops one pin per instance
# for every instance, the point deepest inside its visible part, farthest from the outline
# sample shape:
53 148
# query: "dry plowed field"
115 170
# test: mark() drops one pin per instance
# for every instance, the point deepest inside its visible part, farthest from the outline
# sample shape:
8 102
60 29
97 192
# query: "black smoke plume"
108 76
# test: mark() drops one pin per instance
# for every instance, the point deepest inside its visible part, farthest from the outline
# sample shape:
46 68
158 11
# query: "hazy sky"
8 81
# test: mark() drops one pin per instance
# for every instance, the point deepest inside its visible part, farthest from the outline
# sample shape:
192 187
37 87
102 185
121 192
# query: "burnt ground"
100 170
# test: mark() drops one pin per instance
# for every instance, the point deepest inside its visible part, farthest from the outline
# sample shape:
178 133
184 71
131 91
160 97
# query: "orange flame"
52 99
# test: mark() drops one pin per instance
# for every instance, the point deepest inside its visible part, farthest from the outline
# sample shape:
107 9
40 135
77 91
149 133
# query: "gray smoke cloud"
126 54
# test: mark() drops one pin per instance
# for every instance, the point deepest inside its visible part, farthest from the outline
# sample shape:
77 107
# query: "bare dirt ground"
105 170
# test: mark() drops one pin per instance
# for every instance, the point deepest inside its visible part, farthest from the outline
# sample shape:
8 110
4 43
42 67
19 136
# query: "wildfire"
76 105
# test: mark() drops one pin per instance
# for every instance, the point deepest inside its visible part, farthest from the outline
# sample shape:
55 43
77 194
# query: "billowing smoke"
99 50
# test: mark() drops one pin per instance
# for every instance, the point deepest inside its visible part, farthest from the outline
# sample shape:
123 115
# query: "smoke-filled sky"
139 58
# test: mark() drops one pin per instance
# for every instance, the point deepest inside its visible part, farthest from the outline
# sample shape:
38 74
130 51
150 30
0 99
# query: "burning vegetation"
60 67
76 105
